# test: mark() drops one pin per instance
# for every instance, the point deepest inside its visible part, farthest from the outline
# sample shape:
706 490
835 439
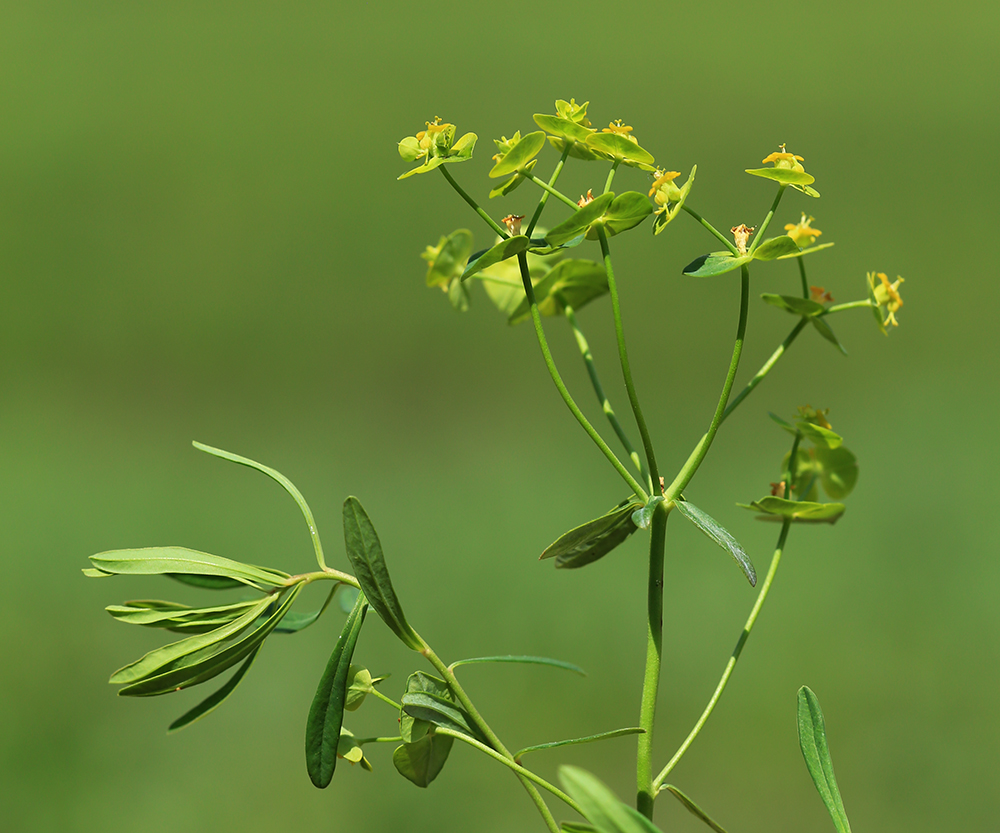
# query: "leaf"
812 742
825 330
600 806
504 188
326 714
178 617
693 808
365 554
555 663
798 510
786 176
794 304
580 221
459 152
774 248
616 733
838 472
821 437
808 251
594 539
715 263
214 700
791 429
151 561
206 582
576 827
714 530
361 685
572 282
349 749
643 516
517 158
624 150
421 762
626 211
501 251
295 622
440 711
447 260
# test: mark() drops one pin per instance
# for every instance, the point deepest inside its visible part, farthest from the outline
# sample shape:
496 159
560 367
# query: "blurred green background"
201 237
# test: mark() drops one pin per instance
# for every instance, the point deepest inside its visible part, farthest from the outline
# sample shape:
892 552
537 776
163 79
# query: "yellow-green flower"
884 294
619 128
783 159
663 190
802 232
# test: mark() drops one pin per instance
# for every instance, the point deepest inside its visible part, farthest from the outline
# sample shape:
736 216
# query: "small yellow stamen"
662 178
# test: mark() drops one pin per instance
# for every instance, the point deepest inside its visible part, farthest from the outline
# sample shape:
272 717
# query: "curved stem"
611 176
376 693
545 195
767 222
725 240
645 787
633 398
475 206
849 305
698 455
761 596
550 190
588 360
520 770
802 275
564 392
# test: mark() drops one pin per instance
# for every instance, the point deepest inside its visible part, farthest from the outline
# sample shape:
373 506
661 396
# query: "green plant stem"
545 194
362 741
520 770
767 220
611 176
550 190
328 574
488 733
588 360
378 694
698 455
761 596
645 789
725 240
802 275
865 304
633 398
564 392
475 206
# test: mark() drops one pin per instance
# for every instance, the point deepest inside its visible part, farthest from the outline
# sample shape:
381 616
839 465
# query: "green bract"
621 149
516 153
573 283
670 200
435 146
718 263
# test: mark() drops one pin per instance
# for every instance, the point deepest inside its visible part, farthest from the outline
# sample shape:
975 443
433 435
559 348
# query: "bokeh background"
201 237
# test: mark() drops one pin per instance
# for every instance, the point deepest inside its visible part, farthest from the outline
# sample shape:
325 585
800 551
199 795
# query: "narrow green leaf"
421 762
616 733
794 304
282 481
826 331
805 511
214 700
365 554
577 827
812 742
440 711
206 582
555 663
294 622
714 530
594 539
412 729
162 614
791 429
693 808
626 211
808 251
152 561
580 221
501 251
505 187
518 156
785 176
716 263
775 247
326 714
93 572
600 806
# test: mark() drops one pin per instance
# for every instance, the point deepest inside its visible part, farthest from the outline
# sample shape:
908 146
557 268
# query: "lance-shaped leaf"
825 330
205 582
572 283
295 622
615 733
626 211
555 663
801 511
365 553
214 700
624 150
155 614
518 157
714 530
812 742
326 715
151 561
693 808
601 806
420 762
439 711
594 539
510 247
794 304
581 220
807 251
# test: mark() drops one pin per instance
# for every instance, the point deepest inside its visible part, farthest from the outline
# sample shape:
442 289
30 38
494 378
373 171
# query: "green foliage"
812 742
718 533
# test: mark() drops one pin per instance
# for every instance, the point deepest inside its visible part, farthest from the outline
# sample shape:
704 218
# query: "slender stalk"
550 190
802 275
545 194
725 240
767 221
727 673
520 770
645 788
633 398
564 392
849 305
765 368
488 733
475 206
376 693
588 360
611 176
698 455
